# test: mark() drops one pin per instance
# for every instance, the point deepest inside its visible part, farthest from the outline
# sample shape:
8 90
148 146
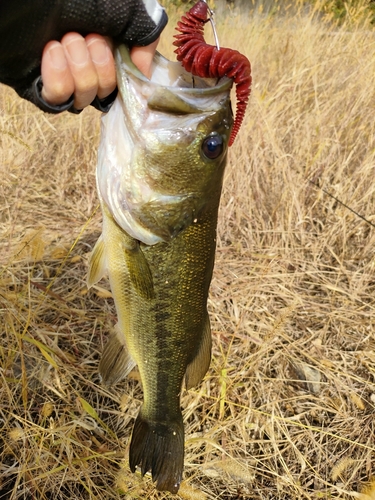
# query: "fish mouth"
171 88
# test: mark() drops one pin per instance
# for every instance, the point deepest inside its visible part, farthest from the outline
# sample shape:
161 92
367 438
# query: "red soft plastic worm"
206 61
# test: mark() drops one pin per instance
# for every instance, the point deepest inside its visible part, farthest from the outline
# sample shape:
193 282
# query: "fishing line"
341 202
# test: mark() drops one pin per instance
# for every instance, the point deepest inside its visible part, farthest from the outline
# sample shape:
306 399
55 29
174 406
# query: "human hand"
85 67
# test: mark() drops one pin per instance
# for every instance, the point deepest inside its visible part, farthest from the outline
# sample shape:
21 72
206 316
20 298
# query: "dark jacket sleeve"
27 25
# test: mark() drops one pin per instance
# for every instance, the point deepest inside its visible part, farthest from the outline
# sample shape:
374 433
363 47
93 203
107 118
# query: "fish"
161 162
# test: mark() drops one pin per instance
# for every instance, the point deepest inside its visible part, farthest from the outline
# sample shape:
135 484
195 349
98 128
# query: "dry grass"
287 408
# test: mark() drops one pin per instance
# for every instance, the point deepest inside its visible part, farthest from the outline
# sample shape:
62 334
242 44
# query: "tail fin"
159 447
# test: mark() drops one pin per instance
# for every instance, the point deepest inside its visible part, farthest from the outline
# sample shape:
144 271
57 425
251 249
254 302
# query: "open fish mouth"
171 75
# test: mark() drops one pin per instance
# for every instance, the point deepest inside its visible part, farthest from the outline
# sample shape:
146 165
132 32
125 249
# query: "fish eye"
213 146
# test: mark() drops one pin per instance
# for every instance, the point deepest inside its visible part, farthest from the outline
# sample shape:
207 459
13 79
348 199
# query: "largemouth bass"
160 168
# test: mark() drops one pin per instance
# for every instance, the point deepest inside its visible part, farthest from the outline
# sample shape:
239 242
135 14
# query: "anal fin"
97 263
197 368
116 361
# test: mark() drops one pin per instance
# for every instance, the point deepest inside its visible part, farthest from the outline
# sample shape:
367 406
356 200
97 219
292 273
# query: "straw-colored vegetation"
286 410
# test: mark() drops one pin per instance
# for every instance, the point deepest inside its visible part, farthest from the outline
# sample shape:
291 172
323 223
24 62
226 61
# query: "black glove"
27 25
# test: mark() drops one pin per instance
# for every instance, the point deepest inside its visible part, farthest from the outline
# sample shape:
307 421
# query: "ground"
286 410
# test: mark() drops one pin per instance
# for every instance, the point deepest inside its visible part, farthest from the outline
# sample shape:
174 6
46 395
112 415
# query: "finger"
58 83
101 55
142 57
82 69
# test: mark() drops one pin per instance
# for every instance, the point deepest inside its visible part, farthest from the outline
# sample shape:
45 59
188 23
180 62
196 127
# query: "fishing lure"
210 61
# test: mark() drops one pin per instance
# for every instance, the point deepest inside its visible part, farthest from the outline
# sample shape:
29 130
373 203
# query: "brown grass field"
286 410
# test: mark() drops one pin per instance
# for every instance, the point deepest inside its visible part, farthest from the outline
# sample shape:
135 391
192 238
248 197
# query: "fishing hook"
211 15
209 61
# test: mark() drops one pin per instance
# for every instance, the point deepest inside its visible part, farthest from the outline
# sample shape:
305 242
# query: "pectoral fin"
123 246
139 272
97 263
197 369
116 361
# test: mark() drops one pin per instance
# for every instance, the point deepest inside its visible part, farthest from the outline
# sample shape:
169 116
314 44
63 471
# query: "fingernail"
98 52
57 57
77 51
